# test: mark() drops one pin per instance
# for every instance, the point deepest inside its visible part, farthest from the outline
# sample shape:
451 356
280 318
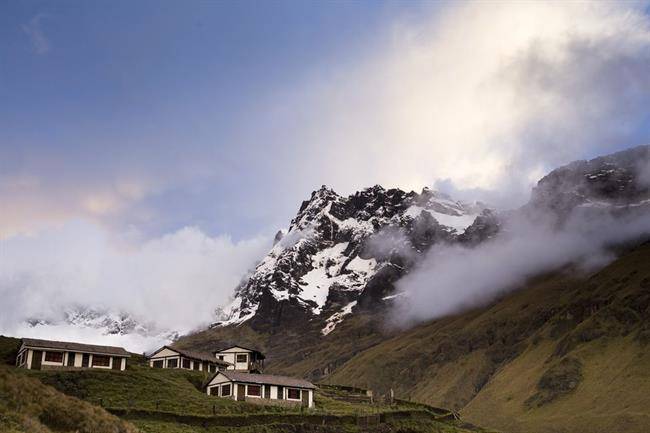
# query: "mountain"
566 350
342 253
102 322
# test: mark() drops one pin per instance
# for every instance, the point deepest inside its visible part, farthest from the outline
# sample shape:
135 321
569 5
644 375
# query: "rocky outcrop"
344 253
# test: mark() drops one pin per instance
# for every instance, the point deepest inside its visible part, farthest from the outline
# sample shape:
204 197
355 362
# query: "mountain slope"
563 351
562 354
342 253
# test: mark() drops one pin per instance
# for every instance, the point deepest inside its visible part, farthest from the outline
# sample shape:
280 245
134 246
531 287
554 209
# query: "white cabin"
37 354
242 359
172 357
262 388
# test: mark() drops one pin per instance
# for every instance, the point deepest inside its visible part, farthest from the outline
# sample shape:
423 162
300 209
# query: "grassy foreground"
172 401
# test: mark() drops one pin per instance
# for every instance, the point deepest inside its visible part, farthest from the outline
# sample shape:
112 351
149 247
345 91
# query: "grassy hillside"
8 350
564 354
27 405
567 352
173 401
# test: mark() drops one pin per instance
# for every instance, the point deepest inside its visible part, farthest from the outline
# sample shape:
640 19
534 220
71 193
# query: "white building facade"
37 354
171 357
242 359
262 388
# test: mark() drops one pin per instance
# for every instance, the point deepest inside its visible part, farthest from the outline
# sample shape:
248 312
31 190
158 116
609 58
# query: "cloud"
34 29
39 202
488 96
174 281
452 278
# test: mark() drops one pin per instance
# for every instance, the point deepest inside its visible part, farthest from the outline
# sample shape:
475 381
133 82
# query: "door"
267 391
117 363
85 360
241 392
305 398
37 359
71 358
280 392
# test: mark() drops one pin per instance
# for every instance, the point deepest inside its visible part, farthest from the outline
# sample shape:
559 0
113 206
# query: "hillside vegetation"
28 406
568 352
173 401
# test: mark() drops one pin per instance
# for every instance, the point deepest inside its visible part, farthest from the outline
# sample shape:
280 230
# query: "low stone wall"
273 402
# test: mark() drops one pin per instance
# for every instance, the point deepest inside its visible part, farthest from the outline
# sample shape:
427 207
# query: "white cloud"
453 278
174 281
487 95
34 29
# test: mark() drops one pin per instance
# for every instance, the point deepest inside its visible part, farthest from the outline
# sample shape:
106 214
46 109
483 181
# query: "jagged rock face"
342 253
619 179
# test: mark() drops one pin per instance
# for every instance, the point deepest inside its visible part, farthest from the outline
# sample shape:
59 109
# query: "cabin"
262 388
242 359
37 354
172 357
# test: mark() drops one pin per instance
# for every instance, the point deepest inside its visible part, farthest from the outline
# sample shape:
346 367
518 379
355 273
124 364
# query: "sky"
130 131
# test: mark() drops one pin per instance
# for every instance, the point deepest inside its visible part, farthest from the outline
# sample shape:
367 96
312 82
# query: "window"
54 356
225 390
242 358
220 357
158 364
186 363
293 393
254 390
172 363
101 361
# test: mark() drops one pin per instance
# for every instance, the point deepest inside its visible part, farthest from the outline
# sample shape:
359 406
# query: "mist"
453 278
169 283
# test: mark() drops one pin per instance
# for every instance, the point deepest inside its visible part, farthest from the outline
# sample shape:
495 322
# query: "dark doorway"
280 392
305 398
37 358
117 363
71 358
241 392
267 391
85 360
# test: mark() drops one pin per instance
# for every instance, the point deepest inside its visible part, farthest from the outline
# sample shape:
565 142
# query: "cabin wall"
212 389
47 365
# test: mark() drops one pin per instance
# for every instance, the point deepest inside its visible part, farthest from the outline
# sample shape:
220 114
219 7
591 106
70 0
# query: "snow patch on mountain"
337 318
458 222
325 259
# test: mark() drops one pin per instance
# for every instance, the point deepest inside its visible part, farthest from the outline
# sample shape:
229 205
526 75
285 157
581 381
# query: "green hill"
567 352
173 401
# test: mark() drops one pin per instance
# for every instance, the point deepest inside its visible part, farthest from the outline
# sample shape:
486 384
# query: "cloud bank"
454 278
486 96
174 282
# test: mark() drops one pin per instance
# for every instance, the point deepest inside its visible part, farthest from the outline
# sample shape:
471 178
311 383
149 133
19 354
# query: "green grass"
28 406
181 392
8 350
144 388
173 401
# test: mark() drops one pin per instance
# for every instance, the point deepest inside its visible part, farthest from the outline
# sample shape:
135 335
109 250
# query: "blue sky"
96 91
151 116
